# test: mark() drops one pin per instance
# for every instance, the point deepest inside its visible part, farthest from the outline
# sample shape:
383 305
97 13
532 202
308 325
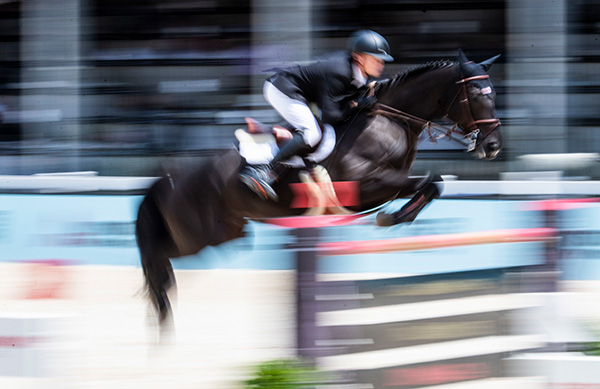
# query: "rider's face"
370 66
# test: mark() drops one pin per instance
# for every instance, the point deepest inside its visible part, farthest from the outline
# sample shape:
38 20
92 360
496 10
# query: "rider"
327 83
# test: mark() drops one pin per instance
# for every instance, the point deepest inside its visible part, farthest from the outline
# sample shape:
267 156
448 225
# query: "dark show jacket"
329 83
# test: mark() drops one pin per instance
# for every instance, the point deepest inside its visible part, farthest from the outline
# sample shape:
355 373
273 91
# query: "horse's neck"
421 96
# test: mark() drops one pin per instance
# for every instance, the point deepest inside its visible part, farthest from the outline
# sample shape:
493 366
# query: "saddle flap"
257 149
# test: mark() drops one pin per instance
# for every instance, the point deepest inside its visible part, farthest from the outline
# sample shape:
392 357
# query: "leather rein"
469 135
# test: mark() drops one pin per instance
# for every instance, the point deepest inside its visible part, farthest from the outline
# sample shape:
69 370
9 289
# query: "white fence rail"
91 182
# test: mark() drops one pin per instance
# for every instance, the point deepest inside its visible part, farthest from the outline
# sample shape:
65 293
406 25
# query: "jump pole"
429 242
306 230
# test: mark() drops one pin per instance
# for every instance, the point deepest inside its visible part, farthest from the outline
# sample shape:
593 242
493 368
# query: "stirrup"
251 178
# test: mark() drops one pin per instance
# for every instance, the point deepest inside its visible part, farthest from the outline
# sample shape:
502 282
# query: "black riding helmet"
370 42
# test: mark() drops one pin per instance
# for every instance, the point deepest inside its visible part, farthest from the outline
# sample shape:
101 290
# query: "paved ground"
225 322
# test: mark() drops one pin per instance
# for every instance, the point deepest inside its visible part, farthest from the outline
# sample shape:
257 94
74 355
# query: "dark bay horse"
182 214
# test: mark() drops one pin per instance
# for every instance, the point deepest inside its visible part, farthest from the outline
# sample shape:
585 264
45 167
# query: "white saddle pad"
260 149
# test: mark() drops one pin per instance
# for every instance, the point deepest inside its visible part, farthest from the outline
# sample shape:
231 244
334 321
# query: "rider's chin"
375 73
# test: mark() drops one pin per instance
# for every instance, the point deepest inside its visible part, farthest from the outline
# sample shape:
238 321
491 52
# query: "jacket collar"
358 79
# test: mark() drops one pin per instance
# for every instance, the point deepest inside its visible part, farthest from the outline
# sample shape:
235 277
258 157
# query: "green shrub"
593 349
285 374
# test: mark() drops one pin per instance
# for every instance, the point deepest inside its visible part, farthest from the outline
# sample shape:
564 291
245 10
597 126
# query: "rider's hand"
365 102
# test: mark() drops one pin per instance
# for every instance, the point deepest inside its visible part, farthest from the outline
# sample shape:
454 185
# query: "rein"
467 140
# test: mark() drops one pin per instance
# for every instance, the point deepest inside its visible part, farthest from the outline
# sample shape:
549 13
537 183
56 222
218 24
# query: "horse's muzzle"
489 148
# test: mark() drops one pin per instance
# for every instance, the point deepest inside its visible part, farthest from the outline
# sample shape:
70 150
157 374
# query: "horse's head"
473 107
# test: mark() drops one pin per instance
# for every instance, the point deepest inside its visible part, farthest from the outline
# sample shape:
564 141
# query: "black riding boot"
260 179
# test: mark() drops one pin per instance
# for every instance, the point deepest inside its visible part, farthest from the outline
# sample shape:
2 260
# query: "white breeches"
295 112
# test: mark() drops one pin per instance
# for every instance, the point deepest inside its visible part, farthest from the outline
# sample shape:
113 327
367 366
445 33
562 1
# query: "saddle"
258 145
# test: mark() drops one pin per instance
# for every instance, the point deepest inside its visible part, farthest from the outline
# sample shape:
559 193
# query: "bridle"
473 124
470 132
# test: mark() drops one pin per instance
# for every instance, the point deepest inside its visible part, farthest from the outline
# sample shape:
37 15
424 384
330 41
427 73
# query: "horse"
206 206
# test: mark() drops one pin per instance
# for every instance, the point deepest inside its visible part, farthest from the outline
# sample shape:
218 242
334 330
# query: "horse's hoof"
405 217
385 219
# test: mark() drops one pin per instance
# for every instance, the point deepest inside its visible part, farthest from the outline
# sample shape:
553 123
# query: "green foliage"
593 348
285 374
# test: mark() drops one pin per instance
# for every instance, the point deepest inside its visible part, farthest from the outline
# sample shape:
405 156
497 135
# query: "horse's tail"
155 245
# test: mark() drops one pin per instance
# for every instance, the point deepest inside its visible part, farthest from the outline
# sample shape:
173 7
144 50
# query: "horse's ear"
488 62
462 58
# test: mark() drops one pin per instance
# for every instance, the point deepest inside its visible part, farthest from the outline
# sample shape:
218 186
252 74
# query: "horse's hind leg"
426 192
155 245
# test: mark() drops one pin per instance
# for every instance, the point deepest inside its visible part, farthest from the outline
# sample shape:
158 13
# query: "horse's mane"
409 74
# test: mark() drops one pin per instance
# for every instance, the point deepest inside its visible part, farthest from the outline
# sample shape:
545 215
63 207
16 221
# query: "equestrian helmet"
370 42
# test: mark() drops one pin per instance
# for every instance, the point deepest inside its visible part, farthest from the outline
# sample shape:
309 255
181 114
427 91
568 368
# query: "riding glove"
365 101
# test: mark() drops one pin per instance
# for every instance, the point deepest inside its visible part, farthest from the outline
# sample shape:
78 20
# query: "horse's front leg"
427 189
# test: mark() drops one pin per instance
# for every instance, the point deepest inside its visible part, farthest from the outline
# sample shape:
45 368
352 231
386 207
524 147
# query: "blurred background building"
123 87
